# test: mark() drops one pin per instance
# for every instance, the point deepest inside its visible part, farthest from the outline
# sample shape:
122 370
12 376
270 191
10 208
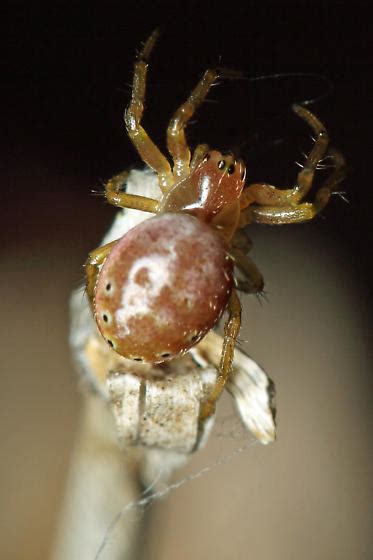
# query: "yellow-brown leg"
297 213
242 241
306 175
176 141
198 155
146 148
124 200
253 284
263 203
265 194
231 330
92 267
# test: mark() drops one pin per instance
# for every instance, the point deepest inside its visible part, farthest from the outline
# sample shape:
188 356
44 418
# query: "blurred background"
66 69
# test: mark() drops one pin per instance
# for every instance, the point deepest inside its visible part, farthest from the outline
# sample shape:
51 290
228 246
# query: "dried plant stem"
102 479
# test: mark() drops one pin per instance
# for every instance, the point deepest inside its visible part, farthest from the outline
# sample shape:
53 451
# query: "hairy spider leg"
146 148
282 206
231 331
125 200
242 241
92 267
263 193
198 155
307 210
254 282
176 141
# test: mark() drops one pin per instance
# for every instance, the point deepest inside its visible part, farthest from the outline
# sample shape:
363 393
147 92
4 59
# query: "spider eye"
207 157
221 164
231 169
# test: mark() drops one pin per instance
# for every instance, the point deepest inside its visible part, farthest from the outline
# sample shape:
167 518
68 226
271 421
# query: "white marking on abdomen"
136 298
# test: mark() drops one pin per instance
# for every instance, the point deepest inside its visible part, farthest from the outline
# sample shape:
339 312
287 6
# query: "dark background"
66 70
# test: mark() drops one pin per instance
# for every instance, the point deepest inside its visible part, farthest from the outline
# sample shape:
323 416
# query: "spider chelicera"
160 288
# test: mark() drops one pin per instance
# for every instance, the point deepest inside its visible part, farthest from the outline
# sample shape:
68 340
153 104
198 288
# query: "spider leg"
125 200
263 193
253 284
146 148
198 155
283 206
297 213
242 241
231 330
306 175
92 267
176 141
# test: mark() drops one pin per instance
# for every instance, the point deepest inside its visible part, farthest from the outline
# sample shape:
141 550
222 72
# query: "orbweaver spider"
161 287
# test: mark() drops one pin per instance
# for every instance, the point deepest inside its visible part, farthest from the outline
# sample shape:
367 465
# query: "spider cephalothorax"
161 287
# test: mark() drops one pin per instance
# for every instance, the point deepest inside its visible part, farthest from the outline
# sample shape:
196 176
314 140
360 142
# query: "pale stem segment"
176 141
231 331
146 148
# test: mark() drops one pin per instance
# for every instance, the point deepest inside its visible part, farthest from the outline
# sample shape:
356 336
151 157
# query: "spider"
160 288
